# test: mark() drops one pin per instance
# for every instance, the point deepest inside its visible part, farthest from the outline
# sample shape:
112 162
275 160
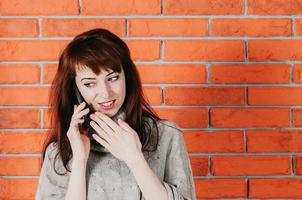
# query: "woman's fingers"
100 131
102 124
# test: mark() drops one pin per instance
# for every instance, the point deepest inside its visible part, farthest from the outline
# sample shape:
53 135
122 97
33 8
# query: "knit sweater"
108 178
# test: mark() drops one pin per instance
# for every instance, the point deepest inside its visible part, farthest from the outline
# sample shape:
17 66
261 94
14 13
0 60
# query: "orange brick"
47 118
249 117
15 118
214 142
72 27
276 7
21 142
252 73
24 96
251 27
37 7
24 189
20 166
298 165
274 50
121 7
195 96
274 141
203 7
186 118
221 188
276 188
199 165
298 27
275 96
49 71
297 113
153 95
31 50
18 28
160 74
19 74
298 73
204 50
139 52
250 165
168 27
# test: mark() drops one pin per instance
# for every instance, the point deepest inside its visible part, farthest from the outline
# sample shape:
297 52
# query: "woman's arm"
77 182
149 183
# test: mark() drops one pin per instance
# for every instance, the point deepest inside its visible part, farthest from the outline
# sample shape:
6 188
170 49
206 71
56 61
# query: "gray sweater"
110 178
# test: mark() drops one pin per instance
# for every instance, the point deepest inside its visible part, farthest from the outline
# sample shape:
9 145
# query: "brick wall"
228 72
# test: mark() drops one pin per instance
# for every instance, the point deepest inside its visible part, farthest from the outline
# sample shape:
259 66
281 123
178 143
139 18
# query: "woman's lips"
107 105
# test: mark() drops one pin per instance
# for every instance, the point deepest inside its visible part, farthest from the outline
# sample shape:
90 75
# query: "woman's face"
105 92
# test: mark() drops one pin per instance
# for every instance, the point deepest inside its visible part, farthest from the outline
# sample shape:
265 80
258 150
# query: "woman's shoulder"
168 130
51 150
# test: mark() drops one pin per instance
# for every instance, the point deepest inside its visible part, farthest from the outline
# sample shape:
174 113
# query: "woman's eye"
114 78
89 84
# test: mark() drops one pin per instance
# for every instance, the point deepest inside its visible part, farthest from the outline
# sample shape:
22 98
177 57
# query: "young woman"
106 142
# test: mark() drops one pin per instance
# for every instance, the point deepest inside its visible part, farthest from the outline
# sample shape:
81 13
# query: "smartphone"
85 126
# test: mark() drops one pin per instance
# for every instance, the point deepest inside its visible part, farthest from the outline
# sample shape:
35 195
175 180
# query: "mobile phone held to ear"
85 125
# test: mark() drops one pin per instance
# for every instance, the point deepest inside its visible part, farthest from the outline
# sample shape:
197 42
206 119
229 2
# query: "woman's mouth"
107 105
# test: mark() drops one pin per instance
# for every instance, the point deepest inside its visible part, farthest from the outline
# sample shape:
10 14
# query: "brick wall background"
229 72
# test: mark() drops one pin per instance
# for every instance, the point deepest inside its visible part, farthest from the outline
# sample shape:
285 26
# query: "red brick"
298 27
252 73
72 27
249 117
15 118
121 7
280 96
274 141
169 73
298 165
203 7
214 142
250 165
204 50
221 188
31 50
276 188
186 118
20 166
168 27
298 73
274 50
24 96
19 142
297 113
19 74
19 27
195 96
139 52
276 7
37 7
153 95
199 166
24 189
251 27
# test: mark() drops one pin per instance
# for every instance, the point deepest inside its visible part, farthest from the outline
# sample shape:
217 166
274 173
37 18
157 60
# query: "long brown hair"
98 49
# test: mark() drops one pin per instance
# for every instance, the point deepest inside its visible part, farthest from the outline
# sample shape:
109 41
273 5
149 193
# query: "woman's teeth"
107 105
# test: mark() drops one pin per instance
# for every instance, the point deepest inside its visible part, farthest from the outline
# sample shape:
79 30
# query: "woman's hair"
97 49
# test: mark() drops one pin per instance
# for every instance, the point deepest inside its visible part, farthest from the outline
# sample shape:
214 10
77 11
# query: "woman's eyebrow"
88 78
110 73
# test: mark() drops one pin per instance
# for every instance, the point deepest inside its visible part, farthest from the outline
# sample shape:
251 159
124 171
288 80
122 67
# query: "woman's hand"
120 139
80 143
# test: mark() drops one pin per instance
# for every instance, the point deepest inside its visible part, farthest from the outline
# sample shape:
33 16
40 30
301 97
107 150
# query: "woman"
112 145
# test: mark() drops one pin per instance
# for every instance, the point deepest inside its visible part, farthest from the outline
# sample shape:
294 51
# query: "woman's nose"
104 91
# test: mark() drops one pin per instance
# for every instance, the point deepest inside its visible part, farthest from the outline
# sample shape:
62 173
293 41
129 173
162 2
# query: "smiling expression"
105 92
